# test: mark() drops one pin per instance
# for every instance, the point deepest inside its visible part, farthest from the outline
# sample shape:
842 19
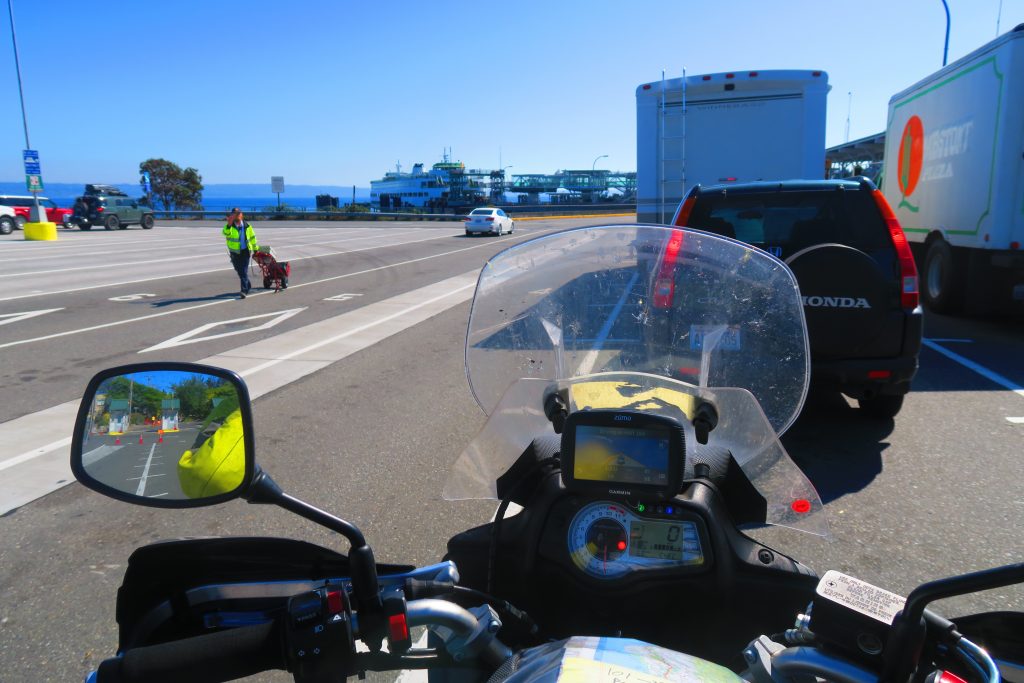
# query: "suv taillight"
682 216
909 295
665 283
99 209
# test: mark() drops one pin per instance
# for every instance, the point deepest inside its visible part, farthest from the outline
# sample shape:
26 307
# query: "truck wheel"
939 279
881 406
147 222
6 225
111 222
21 221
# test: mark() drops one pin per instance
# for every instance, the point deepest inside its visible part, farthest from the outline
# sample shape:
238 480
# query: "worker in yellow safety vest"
241 239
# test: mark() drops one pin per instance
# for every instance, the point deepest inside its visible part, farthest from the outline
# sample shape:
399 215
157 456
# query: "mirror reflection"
165 434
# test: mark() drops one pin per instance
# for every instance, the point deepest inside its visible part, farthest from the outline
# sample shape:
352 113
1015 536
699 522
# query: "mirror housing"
206 416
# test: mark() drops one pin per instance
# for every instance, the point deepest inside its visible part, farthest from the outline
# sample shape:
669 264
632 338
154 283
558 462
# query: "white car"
7 220
490 220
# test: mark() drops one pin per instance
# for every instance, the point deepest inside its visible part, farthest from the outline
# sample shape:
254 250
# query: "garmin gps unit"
623 453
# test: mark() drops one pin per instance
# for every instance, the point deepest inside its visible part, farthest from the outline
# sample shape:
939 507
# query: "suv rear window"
481 212
786 222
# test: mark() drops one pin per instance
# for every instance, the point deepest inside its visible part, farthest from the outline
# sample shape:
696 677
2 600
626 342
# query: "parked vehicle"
107 206
726 127
7 220
857 277
954 175
632 486
489 220
22 206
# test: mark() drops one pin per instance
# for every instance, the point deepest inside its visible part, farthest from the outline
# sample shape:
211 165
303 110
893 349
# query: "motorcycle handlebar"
211 658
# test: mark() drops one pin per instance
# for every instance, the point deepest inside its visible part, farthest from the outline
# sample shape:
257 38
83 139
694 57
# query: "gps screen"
621 455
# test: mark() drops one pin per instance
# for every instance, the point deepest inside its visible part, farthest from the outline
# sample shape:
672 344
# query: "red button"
398 628
335 603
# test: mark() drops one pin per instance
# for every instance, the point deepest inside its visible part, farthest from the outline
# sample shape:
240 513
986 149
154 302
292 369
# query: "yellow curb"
582 215
46 232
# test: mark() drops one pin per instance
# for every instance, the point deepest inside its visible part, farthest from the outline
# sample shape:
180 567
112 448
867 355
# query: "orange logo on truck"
910 158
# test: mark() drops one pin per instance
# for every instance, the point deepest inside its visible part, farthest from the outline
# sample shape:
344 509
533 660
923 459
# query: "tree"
174 187
192 393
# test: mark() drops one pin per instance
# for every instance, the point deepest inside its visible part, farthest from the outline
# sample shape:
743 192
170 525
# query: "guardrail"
513 210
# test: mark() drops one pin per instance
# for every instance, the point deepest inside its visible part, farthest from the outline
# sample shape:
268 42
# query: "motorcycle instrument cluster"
608 540
622 453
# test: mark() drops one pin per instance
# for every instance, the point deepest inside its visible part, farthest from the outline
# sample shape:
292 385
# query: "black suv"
854 268
108 206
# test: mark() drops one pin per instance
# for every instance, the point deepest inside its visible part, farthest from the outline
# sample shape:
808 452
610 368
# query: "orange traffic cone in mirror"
140 439
160 436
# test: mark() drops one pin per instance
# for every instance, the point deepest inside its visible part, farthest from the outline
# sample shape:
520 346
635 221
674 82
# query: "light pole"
594 165
34 213
945 49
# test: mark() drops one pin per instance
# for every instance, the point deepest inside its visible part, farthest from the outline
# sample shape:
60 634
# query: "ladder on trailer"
672 162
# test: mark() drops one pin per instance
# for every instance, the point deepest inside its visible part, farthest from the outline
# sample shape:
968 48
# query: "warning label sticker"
860 596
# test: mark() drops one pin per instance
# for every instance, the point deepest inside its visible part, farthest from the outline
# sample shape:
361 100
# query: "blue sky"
335 92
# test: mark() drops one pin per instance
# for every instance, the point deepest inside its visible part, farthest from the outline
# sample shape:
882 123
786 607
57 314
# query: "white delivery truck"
954 175
726 127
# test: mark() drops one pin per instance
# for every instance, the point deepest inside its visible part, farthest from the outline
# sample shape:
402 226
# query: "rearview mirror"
165 435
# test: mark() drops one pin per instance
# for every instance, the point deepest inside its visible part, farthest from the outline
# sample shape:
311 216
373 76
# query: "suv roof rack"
104 190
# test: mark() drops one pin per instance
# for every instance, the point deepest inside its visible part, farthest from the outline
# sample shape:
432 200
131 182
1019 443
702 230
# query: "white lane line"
145 473
224 301
357 330
1016 420
35 453
953 341
15 317
227 267
217 253
981 370
191 337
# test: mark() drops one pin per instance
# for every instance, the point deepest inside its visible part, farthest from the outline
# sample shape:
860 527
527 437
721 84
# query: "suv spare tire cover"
845 296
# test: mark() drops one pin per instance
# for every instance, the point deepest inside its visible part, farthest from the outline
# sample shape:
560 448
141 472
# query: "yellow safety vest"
231 234
218 466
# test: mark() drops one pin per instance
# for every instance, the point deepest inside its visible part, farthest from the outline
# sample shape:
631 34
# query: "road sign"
33 174
277 183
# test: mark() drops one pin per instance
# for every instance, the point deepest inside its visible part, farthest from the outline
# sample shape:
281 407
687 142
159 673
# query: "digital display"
676 541
622 455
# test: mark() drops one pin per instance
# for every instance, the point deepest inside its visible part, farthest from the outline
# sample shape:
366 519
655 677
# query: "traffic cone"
140 439
117 441
160 437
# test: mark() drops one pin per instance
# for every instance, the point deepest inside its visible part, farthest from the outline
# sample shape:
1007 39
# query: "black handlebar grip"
212 658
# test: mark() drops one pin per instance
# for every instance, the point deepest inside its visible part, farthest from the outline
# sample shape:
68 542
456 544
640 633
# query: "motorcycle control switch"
319 640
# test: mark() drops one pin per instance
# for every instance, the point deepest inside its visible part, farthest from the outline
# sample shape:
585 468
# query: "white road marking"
224 301
226 267
981 370
462 287
1016 420
35 452
191 337
342 297
145 473
131 297
8 318
215 252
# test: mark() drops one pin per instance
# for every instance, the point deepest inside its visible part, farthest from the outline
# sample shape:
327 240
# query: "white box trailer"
954 175
726 127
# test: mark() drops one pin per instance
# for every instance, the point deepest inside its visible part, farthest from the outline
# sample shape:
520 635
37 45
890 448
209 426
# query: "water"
243 203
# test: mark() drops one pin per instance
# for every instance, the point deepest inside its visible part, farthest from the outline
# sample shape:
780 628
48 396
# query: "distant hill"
212 191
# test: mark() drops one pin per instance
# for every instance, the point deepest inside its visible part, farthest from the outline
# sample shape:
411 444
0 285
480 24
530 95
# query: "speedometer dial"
608 540
598 539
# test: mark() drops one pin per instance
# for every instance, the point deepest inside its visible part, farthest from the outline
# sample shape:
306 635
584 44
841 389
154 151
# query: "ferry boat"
445 184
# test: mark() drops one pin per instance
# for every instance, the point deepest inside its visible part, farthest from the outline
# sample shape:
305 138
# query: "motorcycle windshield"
646 318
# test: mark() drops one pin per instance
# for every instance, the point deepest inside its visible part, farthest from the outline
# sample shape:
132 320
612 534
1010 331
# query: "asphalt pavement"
362 406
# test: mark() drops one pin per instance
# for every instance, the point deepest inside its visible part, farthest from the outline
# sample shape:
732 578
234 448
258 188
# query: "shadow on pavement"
837 447
190 300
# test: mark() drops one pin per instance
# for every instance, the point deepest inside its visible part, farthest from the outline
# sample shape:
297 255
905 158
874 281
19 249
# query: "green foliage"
195 404
145 400
174 187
